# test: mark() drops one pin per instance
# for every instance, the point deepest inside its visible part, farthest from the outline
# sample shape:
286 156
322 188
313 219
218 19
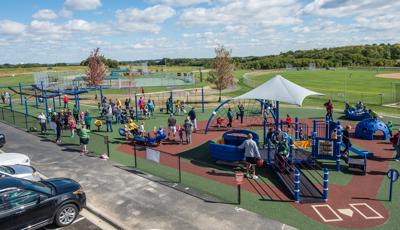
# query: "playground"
342 198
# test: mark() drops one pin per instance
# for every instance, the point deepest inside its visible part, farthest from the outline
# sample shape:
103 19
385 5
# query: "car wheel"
66 215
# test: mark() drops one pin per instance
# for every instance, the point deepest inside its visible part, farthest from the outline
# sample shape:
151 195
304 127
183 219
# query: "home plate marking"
330 216
346 212
370 209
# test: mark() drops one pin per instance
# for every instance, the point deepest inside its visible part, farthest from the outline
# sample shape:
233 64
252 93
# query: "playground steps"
309 193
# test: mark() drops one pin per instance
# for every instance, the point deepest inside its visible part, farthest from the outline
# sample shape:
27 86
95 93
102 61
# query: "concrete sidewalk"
129 199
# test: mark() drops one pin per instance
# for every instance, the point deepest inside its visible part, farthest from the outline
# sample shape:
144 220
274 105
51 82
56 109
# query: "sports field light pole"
239 176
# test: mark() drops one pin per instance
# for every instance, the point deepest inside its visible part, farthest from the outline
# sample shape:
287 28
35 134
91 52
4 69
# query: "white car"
20 171
14 159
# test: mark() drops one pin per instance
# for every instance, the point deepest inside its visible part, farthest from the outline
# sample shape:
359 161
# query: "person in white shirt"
252 154
42 122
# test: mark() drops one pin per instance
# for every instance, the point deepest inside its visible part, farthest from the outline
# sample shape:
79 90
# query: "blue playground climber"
366 129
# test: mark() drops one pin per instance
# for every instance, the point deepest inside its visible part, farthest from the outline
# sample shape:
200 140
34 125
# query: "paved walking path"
129 199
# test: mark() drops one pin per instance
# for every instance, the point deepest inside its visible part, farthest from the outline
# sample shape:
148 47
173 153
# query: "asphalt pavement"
128 198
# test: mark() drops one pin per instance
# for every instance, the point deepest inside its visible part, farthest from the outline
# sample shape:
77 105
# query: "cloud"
244 12
342 8
46 27
44 14
8 27
78 25
182 3
146 20
65 13
82 5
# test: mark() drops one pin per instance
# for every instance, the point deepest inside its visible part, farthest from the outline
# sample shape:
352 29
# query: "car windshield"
38 187
5 169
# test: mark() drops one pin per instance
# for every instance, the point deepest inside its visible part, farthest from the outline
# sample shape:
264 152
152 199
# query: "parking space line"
315 207
377 216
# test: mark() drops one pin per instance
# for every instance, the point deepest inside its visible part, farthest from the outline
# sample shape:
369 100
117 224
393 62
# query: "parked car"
28 204
14 159
20 171
2 140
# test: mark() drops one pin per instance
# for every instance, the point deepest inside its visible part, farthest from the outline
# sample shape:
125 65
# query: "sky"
51 31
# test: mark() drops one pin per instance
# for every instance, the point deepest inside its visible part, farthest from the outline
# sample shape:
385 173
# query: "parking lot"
81 222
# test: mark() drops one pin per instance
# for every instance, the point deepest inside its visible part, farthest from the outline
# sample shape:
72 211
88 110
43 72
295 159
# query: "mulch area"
358 196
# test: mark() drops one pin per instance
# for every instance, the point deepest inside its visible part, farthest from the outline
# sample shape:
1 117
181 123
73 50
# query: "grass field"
336 84
342 85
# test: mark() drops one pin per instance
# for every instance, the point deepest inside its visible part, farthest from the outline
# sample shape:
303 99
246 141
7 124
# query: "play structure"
353 114
288 161
227 148
366 129
145 139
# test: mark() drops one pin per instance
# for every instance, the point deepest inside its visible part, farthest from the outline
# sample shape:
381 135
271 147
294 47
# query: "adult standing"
53 124
240 113
252 154
329 110
193 118
66 100
188 126
150 107
59 124
230 117
109 119
127 104
118 115
172 125
42 123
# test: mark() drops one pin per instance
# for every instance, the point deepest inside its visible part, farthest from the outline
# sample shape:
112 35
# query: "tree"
96 69
222 73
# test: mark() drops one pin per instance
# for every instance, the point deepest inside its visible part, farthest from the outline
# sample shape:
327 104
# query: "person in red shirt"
288 121
329 110
65 99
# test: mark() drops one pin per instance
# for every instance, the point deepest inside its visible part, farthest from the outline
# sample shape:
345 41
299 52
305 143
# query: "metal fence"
97 144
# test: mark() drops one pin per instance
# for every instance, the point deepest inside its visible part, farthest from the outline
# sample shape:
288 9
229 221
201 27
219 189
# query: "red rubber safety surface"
358 196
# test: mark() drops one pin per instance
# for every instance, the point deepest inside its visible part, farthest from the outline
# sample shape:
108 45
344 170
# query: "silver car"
19 171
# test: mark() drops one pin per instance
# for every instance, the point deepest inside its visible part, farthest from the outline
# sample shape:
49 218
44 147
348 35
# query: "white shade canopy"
279 89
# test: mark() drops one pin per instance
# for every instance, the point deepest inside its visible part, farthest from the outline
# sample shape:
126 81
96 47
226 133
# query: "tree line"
384 55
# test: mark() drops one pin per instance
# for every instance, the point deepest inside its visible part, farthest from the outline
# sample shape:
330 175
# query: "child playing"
288 121
390 127
141 129
72 125
127 132
180 133
220 122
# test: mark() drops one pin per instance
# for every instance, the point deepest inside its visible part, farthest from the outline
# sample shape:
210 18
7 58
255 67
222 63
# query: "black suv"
30 205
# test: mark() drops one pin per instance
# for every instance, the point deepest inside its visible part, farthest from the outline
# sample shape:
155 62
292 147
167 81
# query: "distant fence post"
11 105
202 99
26 113
136 108
179 168
134 154
20 92
107 142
